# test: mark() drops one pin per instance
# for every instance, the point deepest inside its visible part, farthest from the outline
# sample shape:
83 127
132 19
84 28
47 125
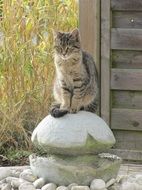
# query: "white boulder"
79 133
65 170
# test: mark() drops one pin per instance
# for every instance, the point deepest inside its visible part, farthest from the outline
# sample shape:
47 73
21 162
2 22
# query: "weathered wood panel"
126 119
128 140
125 69
129 39
125 5
127 154
127 19
105 60
127 59
126 99
126 79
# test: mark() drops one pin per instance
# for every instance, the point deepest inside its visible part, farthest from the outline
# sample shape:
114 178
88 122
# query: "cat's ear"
56 34
75 33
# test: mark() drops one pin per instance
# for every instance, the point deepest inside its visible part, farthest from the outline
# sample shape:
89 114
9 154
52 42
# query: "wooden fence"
112 31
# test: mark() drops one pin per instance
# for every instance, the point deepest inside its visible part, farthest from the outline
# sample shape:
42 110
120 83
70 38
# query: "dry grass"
26 63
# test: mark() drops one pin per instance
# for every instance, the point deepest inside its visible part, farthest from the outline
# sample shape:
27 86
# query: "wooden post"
89 24
105 60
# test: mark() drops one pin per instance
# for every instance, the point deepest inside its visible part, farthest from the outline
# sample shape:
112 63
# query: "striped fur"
76 83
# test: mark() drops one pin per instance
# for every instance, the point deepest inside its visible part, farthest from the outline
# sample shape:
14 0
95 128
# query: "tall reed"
26 63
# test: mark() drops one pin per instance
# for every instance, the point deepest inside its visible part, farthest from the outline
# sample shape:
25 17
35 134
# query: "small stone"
27 170
15 173
5 186
15 182
80 188
4 172
10 179
27 186
128 186
139 179
62 188
72 185
97 184
49 186
39 183
28 176
110 182
2 181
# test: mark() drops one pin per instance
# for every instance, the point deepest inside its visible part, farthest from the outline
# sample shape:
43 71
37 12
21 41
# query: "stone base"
64 170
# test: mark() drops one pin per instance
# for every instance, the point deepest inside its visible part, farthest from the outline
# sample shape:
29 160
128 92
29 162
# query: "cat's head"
67 44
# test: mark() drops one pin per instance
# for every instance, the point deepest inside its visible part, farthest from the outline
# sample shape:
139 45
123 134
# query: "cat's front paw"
56 112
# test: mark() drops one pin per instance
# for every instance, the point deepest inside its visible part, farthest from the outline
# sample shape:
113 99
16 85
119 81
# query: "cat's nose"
64 53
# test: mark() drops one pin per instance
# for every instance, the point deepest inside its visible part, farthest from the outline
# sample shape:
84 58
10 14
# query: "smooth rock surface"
97 184
27 186
5 186
60 135
49 186
64 170
5 172
39 183
80 188
62 188
28 176
72 185
15 182
11 171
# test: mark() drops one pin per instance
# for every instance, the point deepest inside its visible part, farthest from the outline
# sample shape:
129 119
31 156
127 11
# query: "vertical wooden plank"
105 60
89 24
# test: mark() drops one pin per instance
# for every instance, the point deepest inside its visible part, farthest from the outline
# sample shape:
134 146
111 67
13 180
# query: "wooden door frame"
92 23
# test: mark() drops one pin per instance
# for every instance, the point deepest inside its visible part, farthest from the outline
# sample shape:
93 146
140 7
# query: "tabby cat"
76 82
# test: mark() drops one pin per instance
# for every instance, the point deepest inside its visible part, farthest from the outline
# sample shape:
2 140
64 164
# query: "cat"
76 81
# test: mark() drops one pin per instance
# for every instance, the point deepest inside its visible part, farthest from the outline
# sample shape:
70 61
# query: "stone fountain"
74 149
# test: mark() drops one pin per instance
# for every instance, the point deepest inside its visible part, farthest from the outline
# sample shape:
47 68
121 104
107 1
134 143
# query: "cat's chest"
68 79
